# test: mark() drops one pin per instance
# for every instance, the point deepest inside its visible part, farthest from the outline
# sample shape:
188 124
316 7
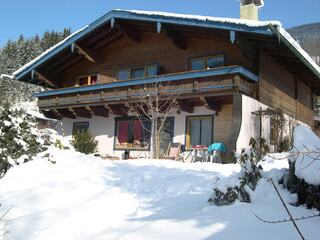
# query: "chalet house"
224 69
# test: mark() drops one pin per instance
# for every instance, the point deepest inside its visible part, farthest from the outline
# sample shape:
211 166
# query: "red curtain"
123 131
137 130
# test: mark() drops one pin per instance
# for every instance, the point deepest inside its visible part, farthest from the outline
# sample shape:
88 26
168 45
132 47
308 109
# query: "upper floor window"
86 80
207 62
137 72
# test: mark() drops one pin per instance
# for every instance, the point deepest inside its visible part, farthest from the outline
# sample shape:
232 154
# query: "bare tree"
154 102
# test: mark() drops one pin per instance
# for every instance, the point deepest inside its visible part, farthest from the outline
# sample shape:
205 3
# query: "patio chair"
174 150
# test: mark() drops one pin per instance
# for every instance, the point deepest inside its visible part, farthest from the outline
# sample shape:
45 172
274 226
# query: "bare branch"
284 220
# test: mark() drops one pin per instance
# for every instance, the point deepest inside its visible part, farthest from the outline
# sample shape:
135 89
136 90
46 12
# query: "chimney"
249 9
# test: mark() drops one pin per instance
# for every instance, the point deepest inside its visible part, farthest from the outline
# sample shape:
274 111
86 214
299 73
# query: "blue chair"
217 147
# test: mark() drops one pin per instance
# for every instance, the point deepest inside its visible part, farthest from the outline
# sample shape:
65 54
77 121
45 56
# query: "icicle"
232 36
158 27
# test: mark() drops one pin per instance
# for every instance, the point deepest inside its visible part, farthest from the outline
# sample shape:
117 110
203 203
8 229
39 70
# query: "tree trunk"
153 139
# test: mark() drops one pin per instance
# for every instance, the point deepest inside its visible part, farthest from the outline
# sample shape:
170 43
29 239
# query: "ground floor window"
199 131
80 127
273 132
132 133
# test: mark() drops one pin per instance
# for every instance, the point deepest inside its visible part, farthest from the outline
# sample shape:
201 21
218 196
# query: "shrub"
307 194
285 144
85 143
221 198
247 181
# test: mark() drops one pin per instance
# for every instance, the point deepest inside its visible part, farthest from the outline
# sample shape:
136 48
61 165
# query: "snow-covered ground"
74 196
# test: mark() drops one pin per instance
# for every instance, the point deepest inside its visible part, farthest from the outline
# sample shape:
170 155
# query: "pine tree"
17 53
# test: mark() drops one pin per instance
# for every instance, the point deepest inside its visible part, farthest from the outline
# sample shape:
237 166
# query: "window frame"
75 123
130 69
88 79
187 128
206 57
273 138
115 148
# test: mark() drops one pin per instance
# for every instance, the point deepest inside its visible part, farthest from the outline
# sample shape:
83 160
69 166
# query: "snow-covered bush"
85 143
304 167
19 137
240 187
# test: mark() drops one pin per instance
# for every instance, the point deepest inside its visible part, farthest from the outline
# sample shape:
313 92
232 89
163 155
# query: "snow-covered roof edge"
3 76
300 52
199 20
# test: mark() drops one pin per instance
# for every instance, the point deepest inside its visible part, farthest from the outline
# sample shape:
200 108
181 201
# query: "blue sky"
29 17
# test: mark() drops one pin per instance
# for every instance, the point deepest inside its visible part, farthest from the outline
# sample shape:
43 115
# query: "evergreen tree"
17 53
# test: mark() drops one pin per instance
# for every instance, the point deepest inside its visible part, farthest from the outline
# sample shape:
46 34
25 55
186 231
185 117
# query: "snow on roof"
243 22
3 76
297 46
249 23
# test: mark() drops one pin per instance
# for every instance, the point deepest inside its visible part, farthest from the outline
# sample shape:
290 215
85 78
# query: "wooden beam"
68 64
62 60
129 32
90 41
119 109
108 40
178 40
91 55
51 114
42 78
211 104
65 113
186 106
100 111
82 112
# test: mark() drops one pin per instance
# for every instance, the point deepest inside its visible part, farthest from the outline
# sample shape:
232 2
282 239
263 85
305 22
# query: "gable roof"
268 28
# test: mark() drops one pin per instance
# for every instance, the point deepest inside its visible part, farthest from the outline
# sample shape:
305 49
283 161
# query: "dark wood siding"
279 88
152 49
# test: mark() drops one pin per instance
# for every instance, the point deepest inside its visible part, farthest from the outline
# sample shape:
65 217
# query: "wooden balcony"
190 85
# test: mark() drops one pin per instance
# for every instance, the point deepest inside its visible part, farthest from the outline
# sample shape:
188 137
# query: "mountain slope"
309 38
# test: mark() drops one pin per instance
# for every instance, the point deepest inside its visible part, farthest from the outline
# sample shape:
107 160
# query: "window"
80 127
86 80
137 72
131 133
199 131
273 132
207 62
123 74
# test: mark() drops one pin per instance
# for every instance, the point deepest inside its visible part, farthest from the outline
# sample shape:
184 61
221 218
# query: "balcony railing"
225 79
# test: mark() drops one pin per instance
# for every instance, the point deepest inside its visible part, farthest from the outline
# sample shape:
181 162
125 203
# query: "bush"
307 194
221 198
85 143
246 183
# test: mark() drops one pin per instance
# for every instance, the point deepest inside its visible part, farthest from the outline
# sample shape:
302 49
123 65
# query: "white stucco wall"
250 123
103 130
250 126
